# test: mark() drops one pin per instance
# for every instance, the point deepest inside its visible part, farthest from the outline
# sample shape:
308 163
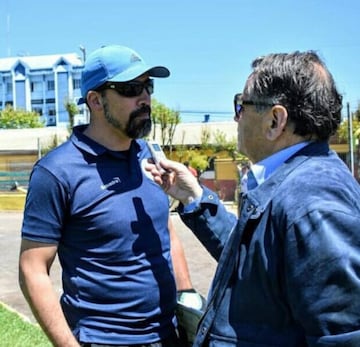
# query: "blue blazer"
289 268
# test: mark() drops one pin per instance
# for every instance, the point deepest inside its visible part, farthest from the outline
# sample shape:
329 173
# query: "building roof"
189 134
30 139
40 62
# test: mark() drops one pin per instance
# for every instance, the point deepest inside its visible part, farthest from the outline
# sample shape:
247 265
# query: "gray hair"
301 83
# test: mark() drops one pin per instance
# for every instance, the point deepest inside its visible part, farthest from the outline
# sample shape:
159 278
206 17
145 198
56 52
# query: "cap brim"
138 70
159 71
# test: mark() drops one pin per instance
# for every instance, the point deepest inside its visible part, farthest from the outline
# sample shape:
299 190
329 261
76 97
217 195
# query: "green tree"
356 114
356 122
205 137
343 130
19 119
223 144
72 109
197 159
167 119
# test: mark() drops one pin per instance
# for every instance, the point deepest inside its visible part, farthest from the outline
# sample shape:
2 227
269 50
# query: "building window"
37 101
8 88
51 112
36 87
51 85
76 83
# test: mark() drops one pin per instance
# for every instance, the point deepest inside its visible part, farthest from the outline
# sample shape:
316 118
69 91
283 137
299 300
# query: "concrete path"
201 265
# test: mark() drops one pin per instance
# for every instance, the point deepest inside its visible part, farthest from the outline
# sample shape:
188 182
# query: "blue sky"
207 45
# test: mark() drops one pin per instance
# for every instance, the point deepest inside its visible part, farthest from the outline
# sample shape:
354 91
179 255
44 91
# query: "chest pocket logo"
115 180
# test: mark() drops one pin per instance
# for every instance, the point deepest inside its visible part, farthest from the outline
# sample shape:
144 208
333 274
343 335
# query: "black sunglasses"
130 89
239 104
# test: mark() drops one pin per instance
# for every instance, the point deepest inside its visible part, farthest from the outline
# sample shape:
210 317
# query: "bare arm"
181 270
186 294
34 279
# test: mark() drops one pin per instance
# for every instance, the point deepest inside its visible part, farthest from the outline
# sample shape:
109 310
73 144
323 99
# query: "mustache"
140 111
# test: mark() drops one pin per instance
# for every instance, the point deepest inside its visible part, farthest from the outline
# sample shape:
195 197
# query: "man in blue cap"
91 202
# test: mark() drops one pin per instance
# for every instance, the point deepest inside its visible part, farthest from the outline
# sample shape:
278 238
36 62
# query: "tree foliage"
167 119
223 144
19 119
205 137
356 114
343 131
72 109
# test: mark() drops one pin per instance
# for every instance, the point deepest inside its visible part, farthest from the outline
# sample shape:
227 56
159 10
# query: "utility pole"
85 109
351 141
83 50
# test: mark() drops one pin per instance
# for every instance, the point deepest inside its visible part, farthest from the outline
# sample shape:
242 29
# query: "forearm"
181 270
186 294
39 292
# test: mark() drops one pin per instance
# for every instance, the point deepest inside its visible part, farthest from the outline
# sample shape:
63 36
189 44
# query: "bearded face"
137 126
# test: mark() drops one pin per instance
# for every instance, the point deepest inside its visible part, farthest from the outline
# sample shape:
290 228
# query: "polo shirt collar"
85 144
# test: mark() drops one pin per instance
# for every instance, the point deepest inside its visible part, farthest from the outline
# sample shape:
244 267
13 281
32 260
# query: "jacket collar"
259 200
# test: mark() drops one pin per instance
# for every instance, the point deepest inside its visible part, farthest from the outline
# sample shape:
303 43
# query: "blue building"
43 84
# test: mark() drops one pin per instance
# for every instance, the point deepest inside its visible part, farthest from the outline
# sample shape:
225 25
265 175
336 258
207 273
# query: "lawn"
16 332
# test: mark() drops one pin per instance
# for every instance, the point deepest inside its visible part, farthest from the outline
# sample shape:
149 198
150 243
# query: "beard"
138 128
135 127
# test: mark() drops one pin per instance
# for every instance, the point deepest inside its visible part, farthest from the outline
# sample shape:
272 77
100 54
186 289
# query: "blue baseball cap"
115 63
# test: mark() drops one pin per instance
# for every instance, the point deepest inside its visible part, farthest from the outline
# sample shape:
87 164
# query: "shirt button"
211 197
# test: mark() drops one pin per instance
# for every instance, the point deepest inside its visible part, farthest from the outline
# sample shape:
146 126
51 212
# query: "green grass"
16 332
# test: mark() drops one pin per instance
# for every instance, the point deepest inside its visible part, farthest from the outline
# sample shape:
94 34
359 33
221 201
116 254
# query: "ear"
94 100
276 122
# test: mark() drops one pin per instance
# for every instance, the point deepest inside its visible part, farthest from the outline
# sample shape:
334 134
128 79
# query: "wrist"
195 197
189 290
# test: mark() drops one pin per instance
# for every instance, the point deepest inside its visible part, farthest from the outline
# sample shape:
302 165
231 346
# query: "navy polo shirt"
110 221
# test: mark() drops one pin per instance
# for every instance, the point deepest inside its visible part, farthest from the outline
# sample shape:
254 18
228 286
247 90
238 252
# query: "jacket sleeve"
322 276
210 222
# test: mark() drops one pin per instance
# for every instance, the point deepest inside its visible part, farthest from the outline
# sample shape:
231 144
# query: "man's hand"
176 180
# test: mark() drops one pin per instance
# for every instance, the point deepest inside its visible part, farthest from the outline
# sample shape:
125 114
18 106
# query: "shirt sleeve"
45 207
192 206
210 222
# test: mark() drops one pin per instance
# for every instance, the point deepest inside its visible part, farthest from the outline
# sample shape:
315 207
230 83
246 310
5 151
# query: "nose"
144 97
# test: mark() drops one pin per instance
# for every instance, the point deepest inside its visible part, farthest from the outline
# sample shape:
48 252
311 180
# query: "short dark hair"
301 82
